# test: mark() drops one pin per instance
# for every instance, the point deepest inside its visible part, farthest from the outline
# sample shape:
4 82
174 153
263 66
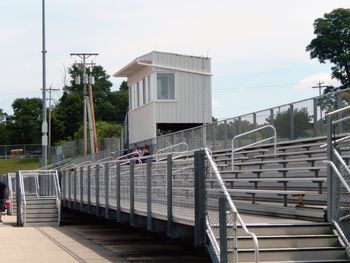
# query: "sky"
257 47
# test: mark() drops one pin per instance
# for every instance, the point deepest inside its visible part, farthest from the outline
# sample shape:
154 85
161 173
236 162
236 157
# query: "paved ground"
95 243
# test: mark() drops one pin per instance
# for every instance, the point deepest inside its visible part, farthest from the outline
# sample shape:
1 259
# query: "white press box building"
167 93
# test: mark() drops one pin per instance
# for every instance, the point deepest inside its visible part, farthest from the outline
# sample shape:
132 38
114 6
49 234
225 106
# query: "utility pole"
84 57
319 87
50 90
44 118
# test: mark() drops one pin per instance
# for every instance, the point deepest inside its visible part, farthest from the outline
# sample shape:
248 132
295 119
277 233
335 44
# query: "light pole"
44 122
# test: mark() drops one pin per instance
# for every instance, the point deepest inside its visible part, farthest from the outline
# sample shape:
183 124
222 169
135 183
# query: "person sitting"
145 152
4 193
136 153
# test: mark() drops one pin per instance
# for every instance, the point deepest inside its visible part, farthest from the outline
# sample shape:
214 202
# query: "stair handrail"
58 196
346 186
232 206
173 146
254 143
22 199
346 138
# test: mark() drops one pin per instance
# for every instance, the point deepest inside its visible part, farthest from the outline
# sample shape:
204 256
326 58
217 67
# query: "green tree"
4 133
302 123
103 130
332 43
25 123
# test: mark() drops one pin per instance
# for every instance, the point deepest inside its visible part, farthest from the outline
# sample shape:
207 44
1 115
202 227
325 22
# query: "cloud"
313 80
215 103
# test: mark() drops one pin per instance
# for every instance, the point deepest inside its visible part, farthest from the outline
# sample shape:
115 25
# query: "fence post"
340 114
291 122
204 136
106 190
223 229
225 134
200 198
70 188
254 125
271 117
63 187
81 188
118 191
149 194
89 188
97 189
331 183
315 118
239 126
132 204
169 194
18 200
75 187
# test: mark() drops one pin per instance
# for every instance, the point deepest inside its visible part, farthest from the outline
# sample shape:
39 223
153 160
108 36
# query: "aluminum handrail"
58 197
323 146
173 146
213 241
335 169
232 206
23 199
337 111
252 144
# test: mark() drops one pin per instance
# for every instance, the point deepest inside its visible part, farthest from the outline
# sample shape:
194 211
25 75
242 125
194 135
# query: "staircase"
41 211
290 186
38 198
298 242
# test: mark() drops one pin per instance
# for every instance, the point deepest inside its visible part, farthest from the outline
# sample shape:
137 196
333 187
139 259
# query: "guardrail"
233 150
235 214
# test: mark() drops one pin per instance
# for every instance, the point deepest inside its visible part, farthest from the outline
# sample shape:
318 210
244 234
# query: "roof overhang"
132 67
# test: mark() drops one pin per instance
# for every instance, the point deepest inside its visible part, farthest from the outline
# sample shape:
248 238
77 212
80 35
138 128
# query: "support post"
132 200
223 229
63 187
106 190
19 200
81 205
70 188
254 125
239 125
291 122
169 194
225 135
97 189
271 117
340 114
75 188
200 198
331 184
149 194
118 193
315 118
89 188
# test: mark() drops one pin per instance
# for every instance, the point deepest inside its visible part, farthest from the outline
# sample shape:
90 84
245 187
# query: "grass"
12 165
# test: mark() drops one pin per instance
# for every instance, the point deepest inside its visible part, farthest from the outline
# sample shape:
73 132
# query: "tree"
332 43
4 133
25 124
103 130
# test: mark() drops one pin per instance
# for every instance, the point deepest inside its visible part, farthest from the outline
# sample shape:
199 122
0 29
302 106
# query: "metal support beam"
75 188
315 117
225 135
118 193
223 229
19 200
331 184
132 200
106 190
89 188
199 195
97 189
169 194
81 205
340 114
291 122
70 188
149 194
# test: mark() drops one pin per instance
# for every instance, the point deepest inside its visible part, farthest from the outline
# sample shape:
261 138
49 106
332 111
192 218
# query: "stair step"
40 224
285 254
45 219
287 241
283 229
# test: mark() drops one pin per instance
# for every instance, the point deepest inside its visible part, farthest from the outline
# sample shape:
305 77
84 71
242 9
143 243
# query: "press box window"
165 86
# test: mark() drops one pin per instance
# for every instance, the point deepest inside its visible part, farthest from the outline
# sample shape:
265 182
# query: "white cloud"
313 80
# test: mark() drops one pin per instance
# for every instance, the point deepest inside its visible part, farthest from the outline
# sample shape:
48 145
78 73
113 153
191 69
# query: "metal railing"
233 150
170 148
41 183
235 214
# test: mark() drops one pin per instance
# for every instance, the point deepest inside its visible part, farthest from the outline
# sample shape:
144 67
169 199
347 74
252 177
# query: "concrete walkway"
47 244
